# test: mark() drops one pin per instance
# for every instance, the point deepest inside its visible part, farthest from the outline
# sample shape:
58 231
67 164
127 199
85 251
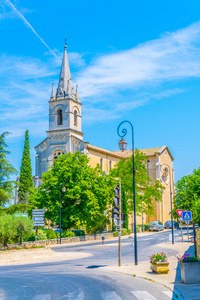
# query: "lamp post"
63 190
122 147
164 168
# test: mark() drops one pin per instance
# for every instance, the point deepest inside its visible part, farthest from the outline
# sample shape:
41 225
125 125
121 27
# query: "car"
156 225
168 224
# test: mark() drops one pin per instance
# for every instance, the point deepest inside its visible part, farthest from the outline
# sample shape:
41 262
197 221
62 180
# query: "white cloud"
173 56
107 86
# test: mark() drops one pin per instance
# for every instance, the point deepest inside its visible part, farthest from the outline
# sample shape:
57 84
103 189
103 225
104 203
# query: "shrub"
79 232
123 231
41 235
129 231
67 233
50 234
115 233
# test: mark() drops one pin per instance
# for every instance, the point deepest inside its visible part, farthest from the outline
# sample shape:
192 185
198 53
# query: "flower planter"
190 272
160 267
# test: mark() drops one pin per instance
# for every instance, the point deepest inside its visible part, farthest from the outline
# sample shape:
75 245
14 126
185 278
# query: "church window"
59 117
101 163
75 118
57 154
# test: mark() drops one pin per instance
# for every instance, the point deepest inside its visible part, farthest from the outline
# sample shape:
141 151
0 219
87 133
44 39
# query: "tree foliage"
25 181
89 192
6 170
146 190
187 196
12 228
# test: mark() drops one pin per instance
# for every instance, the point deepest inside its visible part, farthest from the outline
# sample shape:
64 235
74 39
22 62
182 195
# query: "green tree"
26 180
13 228
146 190
187 196
6 170
89 192
23 226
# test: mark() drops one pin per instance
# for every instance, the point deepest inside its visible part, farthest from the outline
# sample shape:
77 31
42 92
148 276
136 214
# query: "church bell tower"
65 122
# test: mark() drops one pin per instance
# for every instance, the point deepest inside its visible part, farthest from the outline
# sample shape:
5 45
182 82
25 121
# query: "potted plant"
159 263
190 268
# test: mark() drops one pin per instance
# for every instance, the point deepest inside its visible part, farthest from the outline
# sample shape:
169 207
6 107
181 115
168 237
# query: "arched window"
57 154
75 118
59 117
101 163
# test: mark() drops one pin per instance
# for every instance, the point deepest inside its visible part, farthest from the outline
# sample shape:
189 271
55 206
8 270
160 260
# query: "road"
83 279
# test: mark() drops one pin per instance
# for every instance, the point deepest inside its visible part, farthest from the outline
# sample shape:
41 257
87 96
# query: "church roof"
147 151
112 153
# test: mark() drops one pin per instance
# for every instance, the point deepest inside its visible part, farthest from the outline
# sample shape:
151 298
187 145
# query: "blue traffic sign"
187 216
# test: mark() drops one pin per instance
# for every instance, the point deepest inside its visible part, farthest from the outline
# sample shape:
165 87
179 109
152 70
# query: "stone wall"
64 240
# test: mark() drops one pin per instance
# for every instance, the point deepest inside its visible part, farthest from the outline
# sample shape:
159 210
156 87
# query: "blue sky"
134 60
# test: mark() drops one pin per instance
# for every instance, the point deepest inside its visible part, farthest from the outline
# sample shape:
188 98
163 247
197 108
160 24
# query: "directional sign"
187 216
38 217
179 212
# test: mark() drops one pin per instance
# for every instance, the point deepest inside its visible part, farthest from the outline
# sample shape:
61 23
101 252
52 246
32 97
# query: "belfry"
65 123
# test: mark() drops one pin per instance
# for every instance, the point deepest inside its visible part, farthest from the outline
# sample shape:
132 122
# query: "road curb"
175 291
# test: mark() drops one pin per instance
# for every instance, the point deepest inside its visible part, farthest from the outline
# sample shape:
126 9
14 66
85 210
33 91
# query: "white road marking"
110 296
143 295
42 297
169 293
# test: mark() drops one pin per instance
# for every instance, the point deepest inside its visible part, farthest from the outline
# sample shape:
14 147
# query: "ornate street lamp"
122 147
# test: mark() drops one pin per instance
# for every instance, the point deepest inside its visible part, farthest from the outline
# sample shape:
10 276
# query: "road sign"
187 216
179 212
38 217
21 215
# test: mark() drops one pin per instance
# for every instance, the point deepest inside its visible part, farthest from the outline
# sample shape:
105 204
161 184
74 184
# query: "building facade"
65 135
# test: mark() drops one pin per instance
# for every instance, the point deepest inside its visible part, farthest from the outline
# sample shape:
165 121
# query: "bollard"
103 238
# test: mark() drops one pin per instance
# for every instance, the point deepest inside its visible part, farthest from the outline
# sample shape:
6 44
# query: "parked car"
156 225
168 224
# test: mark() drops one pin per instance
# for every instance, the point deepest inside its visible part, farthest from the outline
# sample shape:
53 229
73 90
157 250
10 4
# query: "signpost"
38 219
179 212
187 216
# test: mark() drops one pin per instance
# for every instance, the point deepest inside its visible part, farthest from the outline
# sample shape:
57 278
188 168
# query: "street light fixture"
122 147
164 169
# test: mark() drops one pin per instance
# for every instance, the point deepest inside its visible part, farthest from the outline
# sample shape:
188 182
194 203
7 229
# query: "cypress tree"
25 181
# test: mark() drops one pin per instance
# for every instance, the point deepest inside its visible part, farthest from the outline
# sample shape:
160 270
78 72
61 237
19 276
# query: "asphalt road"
82 279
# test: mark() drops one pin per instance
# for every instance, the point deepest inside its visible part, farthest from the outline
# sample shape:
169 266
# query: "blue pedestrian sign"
187 216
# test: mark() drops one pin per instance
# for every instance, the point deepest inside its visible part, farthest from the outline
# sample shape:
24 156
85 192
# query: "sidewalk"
171 280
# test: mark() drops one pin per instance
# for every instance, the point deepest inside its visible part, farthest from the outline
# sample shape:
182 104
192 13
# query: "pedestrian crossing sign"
187 216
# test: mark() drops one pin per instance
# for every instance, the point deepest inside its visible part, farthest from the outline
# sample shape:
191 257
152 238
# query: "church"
65 135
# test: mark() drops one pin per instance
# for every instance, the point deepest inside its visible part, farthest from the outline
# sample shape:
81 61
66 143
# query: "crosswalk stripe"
143 295
110 296
169 293
42 297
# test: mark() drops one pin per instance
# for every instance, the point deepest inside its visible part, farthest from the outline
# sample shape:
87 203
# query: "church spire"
53 94
65 75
